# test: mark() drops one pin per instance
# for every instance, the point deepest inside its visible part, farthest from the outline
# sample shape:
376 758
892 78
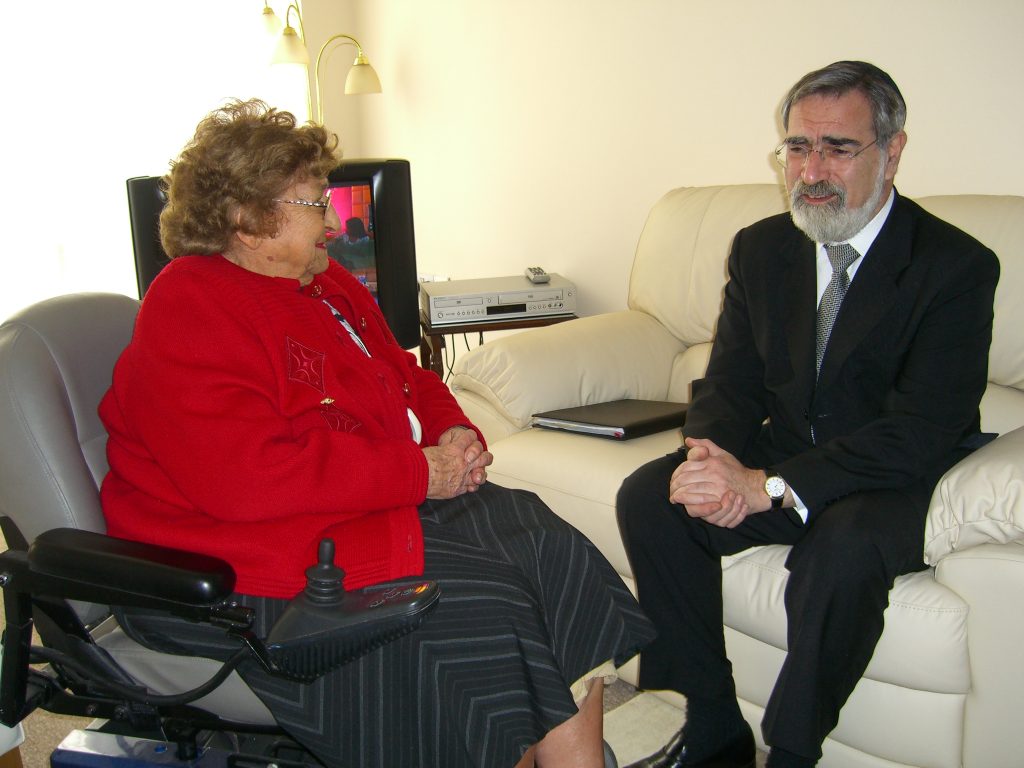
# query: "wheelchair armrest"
93 567
323 627
65 564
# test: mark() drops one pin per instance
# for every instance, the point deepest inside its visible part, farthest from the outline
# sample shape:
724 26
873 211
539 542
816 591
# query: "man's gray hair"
888 110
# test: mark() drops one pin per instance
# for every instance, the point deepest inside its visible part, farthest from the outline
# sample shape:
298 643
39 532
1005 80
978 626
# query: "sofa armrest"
980 500
611 356
990 579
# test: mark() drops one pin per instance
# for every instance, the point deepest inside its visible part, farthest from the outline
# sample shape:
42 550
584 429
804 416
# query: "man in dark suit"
842 384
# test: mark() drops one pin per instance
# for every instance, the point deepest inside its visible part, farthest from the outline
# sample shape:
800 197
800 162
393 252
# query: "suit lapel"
872 292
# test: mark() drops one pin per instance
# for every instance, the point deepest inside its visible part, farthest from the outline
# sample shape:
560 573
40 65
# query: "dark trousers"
842 566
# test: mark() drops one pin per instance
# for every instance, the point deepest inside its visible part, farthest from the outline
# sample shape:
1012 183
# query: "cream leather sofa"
946 685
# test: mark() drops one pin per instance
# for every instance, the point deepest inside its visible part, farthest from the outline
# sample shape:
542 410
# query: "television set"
376 242
380 251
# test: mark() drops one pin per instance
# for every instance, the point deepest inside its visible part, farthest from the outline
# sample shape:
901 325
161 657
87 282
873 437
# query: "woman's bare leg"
528 760
579 741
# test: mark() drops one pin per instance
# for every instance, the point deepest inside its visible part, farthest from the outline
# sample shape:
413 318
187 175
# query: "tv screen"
376 243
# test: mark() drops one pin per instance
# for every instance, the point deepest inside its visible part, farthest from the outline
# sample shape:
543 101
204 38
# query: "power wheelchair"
61 575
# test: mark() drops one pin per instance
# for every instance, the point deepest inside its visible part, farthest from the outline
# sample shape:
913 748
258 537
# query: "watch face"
775 487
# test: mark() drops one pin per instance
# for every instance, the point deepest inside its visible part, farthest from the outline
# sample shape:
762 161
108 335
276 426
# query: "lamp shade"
290 48
271 23
362 78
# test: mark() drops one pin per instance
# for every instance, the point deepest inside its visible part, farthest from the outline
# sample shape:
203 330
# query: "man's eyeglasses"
796 152
323 203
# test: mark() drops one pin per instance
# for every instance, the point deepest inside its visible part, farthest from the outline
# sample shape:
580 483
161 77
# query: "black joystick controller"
324 626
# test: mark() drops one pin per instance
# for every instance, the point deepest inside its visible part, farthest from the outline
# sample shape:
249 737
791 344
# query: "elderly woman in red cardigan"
263 405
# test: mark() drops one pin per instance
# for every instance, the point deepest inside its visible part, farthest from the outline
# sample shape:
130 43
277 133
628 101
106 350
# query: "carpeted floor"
43 732
640 725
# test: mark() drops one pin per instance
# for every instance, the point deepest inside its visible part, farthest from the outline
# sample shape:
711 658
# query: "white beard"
833 222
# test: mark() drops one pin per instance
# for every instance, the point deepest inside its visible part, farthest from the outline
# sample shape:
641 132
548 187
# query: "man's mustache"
817 189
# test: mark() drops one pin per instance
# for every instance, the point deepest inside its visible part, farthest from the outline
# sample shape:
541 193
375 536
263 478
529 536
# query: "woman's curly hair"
241 157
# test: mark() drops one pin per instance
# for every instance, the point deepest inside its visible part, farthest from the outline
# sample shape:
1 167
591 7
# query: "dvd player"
453 302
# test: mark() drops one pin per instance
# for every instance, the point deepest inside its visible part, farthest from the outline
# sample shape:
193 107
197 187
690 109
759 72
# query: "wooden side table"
432 337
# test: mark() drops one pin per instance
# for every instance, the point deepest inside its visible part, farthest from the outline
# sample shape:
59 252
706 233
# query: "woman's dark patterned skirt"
528 606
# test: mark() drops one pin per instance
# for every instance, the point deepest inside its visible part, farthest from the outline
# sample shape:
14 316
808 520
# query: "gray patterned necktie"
841 256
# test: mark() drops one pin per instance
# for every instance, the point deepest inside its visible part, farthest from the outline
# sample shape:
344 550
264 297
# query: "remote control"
537 275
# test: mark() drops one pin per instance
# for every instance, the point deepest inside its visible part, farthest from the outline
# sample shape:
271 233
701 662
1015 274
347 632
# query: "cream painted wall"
541 131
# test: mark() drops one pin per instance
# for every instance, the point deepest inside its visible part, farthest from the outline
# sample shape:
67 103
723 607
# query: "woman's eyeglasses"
323 203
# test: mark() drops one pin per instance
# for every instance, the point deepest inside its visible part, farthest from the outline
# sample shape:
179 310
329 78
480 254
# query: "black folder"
617 419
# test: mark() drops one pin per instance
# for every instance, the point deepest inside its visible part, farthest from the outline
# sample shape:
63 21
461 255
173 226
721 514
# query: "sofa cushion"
679 269
922 615
687 366
980 500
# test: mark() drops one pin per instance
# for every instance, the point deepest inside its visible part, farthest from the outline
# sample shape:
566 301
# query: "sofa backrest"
679 272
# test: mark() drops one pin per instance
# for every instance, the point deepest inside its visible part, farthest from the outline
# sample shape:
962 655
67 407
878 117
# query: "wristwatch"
775 487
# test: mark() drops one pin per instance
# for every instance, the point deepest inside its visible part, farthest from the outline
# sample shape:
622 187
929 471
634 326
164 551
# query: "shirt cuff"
798 506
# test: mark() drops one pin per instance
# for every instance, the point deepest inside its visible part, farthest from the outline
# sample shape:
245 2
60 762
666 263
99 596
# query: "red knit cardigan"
246 423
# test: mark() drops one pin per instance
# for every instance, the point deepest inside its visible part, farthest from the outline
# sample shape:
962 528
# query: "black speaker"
145 201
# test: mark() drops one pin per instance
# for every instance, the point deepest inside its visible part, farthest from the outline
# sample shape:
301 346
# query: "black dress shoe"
738 753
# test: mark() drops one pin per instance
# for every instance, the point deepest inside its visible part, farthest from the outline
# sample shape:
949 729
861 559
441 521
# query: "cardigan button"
317 290
407 389
362 323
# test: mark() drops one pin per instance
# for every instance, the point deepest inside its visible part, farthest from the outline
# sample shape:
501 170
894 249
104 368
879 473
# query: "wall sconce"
271 23
291 49
362 77
291 46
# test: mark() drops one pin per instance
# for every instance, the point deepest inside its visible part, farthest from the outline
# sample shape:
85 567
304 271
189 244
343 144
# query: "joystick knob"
324 580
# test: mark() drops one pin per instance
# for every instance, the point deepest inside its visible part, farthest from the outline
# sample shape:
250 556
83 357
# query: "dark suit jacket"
903 375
